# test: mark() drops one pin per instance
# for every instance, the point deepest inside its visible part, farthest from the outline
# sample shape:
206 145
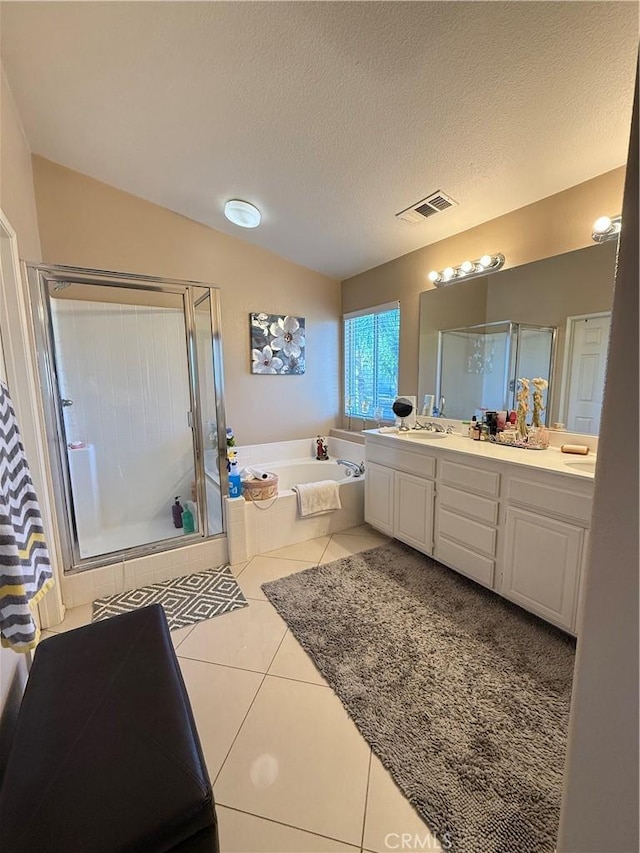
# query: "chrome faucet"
436 427
358 470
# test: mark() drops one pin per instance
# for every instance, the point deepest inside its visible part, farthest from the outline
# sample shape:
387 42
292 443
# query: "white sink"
423 435
585 467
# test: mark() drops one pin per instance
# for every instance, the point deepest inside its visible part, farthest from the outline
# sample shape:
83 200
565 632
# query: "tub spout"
358 470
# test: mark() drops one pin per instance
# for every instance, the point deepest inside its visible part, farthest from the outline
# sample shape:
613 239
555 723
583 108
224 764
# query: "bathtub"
256 528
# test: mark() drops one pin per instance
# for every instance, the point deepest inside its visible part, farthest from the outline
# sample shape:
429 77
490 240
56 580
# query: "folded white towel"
318 497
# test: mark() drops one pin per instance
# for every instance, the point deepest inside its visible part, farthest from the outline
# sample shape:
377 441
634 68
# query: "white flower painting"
277 344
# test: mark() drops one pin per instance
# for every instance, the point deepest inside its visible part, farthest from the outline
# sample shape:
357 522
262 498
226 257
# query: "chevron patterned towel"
25 570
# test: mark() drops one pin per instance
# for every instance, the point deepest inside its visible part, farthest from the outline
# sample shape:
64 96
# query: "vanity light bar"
467 269
606 228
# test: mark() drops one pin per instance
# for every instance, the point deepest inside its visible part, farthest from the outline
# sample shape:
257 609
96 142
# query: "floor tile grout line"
288 825
366 799
244 719
188 634
225 665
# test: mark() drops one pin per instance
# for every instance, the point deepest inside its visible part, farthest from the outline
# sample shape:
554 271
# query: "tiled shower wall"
125 368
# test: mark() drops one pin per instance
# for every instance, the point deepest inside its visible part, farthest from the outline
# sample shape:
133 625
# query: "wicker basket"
260 490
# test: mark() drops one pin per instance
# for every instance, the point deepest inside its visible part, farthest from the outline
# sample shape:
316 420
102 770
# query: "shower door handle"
66 403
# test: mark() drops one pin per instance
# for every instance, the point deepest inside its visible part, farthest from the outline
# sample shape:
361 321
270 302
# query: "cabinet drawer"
402 460
473 534
474 479
473 565
482 509
551 500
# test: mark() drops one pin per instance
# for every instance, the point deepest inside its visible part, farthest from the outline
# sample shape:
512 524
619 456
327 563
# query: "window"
371 343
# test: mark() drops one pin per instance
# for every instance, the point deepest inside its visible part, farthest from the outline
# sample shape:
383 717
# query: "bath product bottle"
177 511
188 523
235 483
472 427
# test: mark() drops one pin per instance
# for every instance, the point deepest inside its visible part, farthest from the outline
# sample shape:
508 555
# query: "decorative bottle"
176 511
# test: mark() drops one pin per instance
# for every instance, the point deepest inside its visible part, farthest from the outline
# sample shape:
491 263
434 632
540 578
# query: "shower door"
126 361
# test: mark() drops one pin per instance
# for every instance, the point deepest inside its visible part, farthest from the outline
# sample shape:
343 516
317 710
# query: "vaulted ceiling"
330 116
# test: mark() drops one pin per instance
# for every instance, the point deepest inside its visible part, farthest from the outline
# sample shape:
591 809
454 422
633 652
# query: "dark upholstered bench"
105 755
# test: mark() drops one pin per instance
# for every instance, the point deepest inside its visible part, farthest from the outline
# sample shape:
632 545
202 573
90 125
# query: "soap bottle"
188 522
472 427
235 483
177 511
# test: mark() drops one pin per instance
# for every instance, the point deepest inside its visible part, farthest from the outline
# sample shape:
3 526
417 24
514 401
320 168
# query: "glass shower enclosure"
131 369
478 366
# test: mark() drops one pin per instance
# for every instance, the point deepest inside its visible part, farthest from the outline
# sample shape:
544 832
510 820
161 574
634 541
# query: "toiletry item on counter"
472 427
579 449
477 431
491 420
513 417
559 426
188 522
177 511
503 417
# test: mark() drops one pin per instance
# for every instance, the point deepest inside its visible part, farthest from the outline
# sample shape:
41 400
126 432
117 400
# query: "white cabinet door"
414 511
541 568
378 497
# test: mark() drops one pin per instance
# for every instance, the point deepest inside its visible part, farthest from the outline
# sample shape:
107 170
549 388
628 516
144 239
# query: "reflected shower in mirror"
572 292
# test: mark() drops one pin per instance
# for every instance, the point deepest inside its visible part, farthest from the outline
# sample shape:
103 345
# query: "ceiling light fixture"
606 228
467 269
242 213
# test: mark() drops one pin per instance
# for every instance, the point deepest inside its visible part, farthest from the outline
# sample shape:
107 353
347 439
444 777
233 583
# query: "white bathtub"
255 528
295 471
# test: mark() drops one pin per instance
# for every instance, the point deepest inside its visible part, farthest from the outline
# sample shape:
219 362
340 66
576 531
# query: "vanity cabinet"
542 563
399 495
413 508
466 536
379 497
519 530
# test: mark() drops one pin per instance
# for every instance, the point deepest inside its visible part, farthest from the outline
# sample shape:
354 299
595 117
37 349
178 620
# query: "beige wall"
558 224
86 223
600 806
16 177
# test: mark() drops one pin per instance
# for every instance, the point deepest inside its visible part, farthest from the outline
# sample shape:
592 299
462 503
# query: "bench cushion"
106 755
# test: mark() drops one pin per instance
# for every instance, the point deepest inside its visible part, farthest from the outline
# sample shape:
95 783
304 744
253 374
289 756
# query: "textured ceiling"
331 117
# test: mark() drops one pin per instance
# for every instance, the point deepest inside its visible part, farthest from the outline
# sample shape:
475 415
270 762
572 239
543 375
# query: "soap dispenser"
176 512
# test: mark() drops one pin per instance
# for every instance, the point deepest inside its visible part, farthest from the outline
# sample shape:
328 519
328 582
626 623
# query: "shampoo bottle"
188 523
176 512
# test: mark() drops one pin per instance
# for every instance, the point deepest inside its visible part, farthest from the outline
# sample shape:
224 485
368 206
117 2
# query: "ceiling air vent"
421 210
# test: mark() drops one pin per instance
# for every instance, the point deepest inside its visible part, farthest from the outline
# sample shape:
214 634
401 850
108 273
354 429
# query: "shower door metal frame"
40 277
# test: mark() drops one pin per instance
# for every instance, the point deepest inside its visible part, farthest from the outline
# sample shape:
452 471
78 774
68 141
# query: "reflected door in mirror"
588 339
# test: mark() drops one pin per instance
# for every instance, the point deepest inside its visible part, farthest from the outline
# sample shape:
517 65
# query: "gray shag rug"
463 696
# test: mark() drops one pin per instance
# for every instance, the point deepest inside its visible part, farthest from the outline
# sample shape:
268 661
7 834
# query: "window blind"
371 344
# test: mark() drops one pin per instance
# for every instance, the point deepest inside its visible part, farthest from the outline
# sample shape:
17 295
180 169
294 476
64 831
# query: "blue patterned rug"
185 600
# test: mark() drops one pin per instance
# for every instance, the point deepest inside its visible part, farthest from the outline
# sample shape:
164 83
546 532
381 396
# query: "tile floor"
290 771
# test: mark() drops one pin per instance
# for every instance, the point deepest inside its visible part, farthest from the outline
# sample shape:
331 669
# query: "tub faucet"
358 470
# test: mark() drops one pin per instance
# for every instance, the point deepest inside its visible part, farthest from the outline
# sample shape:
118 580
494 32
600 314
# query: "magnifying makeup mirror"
402 408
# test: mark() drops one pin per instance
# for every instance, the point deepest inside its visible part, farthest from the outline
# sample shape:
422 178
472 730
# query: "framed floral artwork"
277 344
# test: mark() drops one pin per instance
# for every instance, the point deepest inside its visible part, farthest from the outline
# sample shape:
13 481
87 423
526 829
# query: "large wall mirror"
571 293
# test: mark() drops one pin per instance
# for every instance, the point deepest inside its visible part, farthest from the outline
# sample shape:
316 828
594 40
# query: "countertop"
551 459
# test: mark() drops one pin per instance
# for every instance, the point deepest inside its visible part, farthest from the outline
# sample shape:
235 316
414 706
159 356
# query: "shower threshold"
129 536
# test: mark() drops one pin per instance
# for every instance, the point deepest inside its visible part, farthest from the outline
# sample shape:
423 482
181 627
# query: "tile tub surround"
252 529
255 693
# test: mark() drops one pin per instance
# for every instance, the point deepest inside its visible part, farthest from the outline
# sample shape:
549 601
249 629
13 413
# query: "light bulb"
602 225
466 266
434 276
486 261
447 273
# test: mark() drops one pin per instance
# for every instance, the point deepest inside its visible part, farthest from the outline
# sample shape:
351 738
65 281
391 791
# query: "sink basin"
423 435
585 467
